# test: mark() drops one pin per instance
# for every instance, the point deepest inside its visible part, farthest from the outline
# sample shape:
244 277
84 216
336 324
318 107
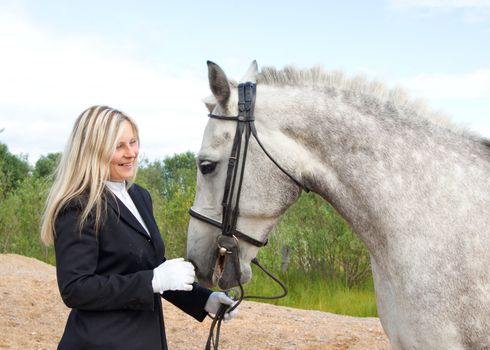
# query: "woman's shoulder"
77 203
137 188
69 212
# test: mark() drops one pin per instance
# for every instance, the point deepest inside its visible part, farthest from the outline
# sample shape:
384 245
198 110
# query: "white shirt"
119 189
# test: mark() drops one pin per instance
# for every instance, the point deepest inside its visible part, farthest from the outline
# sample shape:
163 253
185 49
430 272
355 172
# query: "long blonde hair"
85 166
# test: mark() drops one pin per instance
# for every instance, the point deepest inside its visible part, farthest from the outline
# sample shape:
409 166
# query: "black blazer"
106 278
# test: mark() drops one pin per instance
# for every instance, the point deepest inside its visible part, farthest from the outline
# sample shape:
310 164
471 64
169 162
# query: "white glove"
174 274
215 300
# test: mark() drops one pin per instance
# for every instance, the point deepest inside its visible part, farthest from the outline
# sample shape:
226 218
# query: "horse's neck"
369 164
356 158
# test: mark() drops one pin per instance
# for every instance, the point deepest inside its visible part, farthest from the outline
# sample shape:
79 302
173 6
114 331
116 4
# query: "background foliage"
312 248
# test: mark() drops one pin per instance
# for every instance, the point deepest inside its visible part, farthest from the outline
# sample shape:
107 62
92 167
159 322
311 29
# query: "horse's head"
266 191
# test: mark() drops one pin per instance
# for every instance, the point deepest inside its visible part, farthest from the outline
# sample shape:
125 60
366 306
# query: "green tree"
20 214
179 174
46 165
173 174
13 170
150 176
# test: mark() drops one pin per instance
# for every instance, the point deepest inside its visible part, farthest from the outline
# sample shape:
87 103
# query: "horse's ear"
218 82
251 74
210 103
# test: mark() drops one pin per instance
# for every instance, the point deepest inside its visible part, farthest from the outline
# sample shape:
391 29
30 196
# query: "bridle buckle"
223 251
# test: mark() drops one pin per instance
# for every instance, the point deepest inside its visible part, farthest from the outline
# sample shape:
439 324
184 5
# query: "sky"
148 59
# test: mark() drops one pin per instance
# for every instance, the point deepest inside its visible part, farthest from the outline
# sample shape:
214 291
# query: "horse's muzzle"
227 268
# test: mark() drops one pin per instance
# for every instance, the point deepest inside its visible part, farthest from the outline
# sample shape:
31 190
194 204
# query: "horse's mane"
317 76
361 86
486 142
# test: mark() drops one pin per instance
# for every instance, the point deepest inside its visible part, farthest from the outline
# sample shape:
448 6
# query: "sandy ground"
32 316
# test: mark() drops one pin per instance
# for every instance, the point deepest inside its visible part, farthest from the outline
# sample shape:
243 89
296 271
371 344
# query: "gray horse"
414 188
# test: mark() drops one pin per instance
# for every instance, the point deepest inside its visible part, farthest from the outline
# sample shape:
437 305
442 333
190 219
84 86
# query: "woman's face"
123 161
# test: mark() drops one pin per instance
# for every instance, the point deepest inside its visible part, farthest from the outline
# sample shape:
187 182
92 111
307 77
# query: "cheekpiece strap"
246 101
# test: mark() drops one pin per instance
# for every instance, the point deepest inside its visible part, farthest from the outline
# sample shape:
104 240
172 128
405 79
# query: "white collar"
117 187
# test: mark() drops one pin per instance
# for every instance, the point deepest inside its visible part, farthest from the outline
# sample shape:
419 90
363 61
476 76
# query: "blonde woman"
110 260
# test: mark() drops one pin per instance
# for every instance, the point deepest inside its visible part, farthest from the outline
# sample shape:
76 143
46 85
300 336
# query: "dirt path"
32 316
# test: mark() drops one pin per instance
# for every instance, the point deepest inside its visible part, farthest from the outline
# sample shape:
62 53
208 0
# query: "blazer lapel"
144 208
125 214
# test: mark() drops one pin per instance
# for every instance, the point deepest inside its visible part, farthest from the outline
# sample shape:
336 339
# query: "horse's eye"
207 166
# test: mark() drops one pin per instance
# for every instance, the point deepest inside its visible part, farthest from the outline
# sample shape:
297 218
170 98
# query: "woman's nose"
130 152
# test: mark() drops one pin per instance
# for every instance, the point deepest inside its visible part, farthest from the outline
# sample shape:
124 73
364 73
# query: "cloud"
441 4
47 79
470 11
459 95
472 85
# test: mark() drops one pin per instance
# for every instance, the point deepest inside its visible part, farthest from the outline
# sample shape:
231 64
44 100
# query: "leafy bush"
313 238
13 170
46 165
20 214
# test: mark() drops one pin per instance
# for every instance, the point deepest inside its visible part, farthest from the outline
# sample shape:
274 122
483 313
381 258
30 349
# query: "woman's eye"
207 166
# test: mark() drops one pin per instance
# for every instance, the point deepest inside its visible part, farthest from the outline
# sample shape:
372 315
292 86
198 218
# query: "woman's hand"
215 300
174 274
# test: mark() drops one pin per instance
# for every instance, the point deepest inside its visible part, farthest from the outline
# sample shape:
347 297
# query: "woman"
110 260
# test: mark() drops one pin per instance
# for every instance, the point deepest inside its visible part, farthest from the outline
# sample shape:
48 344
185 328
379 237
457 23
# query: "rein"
213 338
227 242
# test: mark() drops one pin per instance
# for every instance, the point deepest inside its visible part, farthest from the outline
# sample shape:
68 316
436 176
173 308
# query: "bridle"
227 242
231 198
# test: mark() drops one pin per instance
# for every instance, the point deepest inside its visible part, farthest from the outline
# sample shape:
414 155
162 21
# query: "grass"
310 292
